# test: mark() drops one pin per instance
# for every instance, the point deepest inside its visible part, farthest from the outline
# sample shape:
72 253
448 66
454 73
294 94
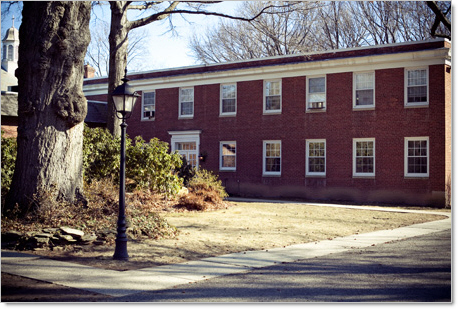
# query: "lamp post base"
121 251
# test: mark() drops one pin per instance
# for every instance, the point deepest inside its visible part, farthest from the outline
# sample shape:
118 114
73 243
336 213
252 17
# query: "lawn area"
243 227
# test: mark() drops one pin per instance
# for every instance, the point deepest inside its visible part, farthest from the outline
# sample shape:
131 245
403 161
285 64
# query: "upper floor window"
316 93
416 83
149 105
272 97
364 94
316 157
186 108
228 151
364 157
271 158
228 106
416 152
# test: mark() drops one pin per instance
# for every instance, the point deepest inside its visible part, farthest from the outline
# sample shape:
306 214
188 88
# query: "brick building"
368 124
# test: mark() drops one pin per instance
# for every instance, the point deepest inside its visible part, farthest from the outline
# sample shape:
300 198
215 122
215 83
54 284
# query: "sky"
165 50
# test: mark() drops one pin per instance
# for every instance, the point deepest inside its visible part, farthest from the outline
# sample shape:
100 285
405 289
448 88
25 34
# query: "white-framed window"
416 87
186 108
228 102
187 143
315 157
149 105
271 165
272 96
316 93
228 156
364 157
364 90
416 156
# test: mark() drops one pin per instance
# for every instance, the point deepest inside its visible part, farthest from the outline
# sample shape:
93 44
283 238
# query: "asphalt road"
416 269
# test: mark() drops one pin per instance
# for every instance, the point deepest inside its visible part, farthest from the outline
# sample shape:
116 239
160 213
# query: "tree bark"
118 58
51 105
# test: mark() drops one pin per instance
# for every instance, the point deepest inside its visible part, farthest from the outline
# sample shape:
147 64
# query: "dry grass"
243 227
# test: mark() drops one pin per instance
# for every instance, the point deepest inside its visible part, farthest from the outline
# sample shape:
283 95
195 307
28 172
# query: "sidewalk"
117 284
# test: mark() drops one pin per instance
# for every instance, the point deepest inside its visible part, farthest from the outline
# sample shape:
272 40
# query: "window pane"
228 91
187 108
272 164
317 85
273 103
272 88
364 97
417 94
364 81
228 106
416 77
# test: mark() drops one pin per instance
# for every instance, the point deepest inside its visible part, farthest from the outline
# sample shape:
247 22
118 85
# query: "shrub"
100 154
148 165
205 192
8 157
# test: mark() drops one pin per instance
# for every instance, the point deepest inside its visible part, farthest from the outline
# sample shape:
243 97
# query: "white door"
187 144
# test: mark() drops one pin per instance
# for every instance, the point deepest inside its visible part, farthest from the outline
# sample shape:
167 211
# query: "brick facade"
388 124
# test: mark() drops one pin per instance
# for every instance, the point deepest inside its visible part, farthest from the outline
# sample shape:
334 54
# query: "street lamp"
124 98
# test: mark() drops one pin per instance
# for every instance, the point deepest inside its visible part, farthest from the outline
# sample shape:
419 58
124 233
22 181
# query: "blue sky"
166 50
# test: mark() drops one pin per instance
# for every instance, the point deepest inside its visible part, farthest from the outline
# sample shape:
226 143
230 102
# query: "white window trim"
143 106
406 166
307 105
179 104
184 137
415 104
221 156
221 113
307 172
264 172
276 111
362 107
355 140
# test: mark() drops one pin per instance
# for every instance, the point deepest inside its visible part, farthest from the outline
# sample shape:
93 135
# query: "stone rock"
11 236
72 232
67 238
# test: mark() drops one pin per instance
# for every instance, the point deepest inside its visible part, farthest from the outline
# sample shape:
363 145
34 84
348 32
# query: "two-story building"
368 124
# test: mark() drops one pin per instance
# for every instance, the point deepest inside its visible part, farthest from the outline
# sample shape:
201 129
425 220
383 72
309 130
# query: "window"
272 97
149 105
227 156
228 106
316 93
364 90
416 82
416 151
186 103
272 158
10 52
363 157
316 157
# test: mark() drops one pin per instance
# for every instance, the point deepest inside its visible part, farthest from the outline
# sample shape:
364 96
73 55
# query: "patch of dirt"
240 227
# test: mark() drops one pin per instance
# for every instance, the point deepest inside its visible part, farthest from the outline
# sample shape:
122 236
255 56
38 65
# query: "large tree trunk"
51 105
118 58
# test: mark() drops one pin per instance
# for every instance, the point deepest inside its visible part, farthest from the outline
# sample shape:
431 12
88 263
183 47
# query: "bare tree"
51 104
314 26
98 52
281 30
154 11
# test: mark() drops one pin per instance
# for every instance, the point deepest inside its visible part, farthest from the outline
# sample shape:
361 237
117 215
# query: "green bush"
148 165
100 154
9 152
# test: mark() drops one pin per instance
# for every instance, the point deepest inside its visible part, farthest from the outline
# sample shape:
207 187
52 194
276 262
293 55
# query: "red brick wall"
388 123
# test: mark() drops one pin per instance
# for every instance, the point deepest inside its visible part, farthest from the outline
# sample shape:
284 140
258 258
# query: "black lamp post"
124 98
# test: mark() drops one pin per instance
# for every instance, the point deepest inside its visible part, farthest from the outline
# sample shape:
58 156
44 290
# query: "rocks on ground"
54 239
